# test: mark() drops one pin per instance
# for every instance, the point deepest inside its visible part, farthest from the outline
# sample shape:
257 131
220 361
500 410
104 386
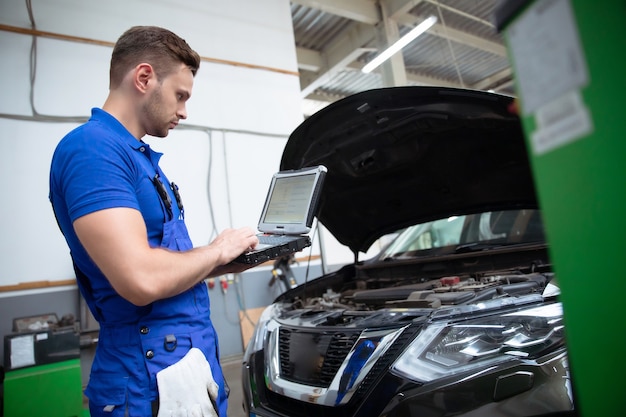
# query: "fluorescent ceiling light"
400 43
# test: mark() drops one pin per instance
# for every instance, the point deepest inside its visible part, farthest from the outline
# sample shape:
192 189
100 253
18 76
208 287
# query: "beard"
157 121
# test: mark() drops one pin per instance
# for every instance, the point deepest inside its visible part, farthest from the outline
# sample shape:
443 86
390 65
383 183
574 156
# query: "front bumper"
521 388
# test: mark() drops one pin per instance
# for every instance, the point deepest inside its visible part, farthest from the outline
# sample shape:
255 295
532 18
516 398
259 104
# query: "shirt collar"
102 116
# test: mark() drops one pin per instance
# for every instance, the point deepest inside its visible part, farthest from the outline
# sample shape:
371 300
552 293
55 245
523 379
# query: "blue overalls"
144 340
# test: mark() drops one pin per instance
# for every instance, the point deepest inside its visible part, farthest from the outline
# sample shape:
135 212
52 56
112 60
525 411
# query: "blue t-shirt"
96 166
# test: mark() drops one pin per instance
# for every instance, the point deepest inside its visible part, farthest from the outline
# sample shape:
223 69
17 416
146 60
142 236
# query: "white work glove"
187 387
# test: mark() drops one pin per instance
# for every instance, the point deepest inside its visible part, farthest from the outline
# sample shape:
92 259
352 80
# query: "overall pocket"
107 395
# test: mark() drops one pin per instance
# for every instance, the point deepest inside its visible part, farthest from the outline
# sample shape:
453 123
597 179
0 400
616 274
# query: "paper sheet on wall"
22 351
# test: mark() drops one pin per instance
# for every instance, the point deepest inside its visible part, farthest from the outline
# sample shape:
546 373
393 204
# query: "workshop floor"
232 373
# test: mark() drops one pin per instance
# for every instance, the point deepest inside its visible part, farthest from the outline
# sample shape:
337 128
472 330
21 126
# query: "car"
459 313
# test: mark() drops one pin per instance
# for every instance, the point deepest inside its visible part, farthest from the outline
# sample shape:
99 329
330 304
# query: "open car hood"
405 155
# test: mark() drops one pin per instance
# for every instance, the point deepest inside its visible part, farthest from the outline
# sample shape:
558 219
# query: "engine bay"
366 303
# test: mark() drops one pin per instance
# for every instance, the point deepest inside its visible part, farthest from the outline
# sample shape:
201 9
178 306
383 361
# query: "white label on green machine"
546 53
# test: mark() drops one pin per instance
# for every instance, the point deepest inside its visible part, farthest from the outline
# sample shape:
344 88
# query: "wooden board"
247 320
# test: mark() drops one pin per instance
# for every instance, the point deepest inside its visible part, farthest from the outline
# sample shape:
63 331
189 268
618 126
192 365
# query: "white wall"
248 113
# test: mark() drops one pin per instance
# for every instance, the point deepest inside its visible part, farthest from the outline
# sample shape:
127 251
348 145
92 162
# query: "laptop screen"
292 201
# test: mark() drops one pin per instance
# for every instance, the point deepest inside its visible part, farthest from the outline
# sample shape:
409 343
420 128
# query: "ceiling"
336 38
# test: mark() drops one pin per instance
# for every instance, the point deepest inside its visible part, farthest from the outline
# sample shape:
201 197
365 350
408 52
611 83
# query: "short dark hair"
159 47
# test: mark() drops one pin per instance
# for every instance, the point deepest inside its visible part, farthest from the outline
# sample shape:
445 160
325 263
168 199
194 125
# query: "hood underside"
406 155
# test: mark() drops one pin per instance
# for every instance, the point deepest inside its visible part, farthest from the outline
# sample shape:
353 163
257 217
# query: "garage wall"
239 119
247 113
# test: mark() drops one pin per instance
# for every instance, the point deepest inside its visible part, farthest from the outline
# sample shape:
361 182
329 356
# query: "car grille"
313 358
333 349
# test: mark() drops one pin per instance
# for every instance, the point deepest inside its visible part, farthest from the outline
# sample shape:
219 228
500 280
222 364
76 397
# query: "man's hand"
233 242
187 388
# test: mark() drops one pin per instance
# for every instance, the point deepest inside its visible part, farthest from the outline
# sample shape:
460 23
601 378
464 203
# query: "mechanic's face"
166 104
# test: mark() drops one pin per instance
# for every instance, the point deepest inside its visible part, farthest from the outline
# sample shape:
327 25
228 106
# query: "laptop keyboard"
272 239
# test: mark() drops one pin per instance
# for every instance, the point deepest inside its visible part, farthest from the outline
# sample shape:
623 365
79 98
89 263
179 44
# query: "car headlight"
444 349
260 331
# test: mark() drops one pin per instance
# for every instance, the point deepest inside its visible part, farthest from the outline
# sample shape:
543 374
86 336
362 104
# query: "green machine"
569 58
51 390
43 372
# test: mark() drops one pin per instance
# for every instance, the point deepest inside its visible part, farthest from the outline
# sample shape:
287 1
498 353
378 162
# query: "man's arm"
116 240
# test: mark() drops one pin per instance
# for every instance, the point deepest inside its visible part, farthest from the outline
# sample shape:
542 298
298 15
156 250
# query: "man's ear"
142 76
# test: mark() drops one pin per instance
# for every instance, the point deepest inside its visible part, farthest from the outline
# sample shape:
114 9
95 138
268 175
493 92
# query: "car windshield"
466 233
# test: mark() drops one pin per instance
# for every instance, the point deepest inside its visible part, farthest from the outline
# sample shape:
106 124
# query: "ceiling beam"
309 59
417 79
398 8
494 79
465 38
411 78
461 13
364 11
455 35
324 97
361 37
331 72
393 71
345 49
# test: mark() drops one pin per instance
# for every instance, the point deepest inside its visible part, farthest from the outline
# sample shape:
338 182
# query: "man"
123 222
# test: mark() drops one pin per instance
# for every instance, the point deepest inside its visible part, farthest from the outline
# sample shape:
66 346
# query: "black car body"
459 315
